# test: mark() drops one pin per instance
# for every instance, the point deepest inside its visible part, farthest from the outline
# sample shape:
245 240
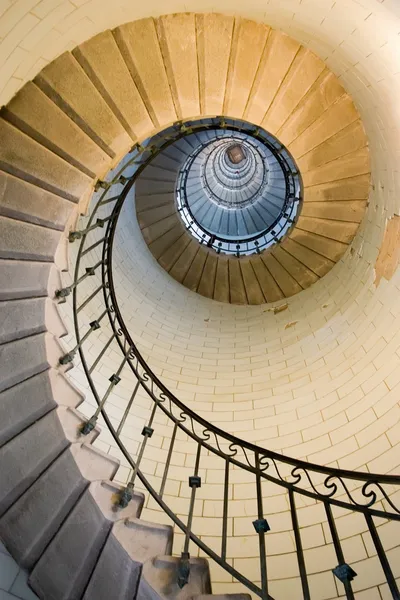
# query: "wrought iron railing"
370 495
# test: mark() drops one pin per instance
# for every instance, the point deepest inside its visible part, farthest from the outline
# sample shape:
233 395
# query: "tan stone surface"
172 254
352 165
346 141
23 157
177 36
304 70
314 261
165 240
150 216
65 82
268 285
335 230
138 43
221 288
336 118
103 63
252 287
354 188
236 284
35 114
207 280
278 55
193 276
295 268
157 229
324 92
348 210
329 248
184 262
214 37
248 44
285 281
389 253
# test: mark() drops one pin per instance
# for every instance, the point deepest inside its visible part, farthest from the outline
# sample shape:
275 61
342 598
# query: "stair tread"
27 455
64 568
142 539
32 521
107 496
115 575
159 579
23 404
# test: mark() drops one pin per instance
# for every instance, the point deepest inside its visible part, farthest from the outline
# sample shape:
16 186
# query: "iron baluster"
184 562
261 526
103 351
89 298
93 326
93 246
128 408
382 557
225 511
168 461
77 235
114 380
89 272
343 571
147 431
299 546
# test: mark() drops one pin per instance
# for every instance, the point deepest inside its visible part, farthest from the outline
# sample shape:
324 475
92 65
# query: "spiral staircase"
121 116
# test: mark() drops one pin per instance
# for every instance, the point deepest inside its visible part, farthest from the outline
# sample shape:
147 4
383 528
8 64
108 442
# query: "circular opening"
239 190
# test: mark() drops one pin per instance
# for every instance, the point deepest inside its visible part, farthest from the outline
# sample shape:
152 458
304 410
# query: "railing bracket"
87 427
261 525
183 570
344 573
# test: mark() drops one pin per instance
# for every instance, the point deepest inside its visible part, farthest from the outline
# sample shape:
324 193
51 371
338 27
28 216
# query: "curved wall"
318 380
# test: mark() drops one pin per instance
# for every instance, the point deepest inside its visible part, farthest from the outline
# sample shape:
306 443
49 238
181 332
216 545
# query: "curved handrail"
330 486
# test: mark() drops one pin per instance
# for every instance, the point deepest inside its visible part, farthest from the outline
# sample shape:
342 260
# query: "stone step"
102 62
115 576
93 463
148 187
107 495
138 44
32 521
24 241
314 261
65 567
23 279
21 156
143 540
23 404
22 359
72 421
159 579
66 83
24 458
35 114
22 318
145 203
284 280
64 391
27 202
295 268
